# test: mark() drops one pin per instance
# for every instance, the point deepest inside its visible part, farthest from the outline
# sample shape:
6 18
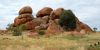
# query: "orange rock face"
45 19
44 12
53 28
82 26
21 19
26 9
85 27
32 24
56 13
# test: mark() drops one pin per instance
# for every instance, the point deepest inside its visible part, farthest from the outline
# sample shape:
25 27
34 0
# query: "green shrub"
67 20
95 29
16 31
9 27
22 27
41 32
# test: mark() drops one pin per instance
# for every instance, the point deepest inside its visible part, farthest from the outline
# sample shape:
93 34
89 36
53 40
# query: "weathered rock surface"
46 19
81 26
21 19
56 13
44 12
30 25
26 9
53 28
36 22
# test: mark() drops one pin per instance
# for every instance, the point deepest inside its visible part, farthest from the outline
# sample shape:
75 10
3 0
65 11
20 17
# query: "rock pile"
48 19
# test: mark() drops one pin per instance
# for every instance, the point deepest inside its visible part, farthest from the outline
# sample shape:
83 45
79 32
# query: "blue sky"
88 11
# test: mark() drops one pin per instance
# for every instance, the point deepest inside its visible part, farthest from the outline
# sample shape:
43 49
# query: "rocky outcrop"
48 20
44 12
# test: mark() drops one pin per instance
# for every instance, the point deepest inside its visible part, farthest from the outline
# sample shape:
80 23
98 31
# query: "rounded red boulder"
26 9
44 12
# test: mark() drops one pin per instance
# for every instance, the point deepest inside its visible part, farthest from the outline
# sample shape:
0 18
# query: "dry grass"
57 42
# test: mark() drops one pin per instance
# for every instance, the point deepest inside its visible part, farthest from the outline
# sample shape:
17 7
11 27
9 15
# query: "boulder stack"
49 20
25 15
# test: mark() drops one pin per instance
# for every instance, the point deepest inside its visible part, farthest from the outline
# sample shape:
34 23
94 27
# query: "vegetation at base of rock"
56 42
95 29
67 20
41 32
9 27
16 31
20 27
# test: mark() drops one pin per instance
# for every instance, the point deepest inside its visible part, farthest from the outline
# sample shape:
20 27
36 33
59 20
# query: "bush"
67 20
22 27
16 31
9 27
41 32
95 29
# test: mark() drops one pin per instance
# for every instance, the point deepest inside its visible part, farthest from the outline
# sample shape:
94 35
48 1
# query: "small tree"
67 20
16 31
22 27
94 29
9 27
41 32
